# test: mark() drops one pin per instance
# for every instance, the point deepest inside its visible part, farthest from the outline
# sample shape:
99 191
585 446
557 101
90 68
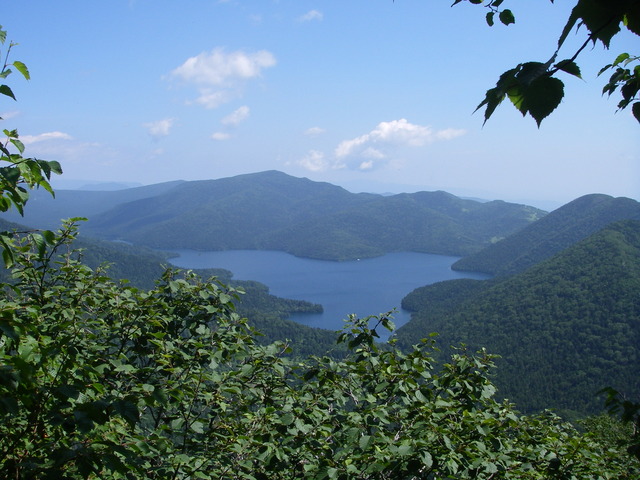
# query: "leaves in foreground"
100 380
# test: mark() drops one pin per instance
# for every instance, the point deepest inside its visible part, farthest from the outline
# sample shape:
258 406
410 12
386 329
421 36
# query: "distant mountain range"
274 211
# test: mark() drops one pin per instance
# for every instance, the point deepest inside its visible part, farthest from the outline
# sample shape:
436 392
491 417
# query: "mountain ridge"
558 230
274 211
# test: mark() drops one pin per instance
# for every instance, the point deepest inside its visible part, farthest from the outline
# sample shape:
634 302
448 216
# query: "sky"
372 95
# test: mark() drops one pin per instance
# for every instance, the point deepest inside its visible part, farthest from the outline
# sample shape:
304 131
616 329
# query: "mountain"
550 235
274 211
564 328
45 211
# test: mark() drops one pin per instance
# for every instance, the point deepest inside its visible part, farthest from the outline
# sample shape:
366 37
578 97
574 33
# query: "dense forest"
564 328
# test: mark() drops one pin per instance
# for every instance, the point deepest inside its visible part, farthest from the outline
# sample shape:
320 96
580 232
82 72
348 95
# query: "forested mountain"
564 328
553 233
272 210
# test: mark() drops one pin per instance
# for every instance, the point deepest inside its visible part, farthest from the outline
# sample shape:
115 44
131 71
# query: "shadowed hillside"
564 328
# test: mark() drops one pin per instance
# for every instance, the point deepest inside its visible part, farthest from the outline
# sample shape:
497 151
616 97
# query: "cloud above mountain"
219 76
378 148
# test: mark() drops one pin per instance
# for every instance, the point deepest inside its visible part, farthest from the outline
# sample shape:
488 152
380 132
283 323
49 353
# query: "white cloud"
160 128
313 131
43 137
220 136
372 153
315 161
236 117
213 99
384 146
394 133
219 75
219 68
385 140
311 15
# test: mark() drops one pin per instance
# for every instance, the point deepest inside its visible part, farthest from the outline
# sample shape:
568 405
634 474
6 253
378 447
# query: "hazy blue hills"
274 211
550 235
564 328
45 211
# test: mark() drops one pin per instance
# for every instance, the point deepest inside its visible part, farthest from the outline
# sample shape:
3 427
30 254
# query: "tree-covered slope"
551 234
272 210
564 328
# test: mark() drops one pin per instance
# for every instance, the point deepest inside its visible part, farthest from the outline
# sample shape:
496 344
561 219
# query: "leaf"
632 19
543 97
496 95
620 58
506 17
5 90
364 442
55 167
22 68
287 419
489 18
570 67
571 21
635 109
18 144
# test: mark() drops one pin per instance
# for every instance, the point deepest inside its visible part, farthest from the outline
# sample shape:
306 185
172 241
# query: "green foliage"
532 87
629 413
100 380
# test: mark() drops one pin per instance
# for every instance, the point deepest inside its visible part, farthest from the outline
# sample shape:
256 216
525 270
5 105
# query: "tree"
533 88
18 174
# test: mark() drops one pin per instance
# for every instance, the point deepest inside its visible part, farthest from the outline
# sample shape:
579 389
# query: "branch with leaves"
18 174
532 87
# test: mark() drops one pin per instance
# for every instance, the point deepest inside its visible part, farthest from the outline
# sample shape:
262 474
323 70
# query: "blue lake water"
364 287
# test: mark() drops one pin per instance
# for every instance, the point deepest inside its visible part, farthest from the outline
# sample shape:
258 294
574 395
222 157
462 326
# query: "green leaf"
543 97
570 67
489 18
364 442
5 90
620 58
635 109
22 68
506 17
18 144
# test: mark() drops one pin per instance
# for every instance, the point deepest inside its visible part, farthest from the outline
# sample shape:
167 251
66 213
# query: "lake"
364 287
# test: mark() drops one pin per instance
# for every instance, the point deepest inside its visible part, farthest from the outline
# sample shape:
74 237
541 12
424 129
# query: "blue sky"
374 95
